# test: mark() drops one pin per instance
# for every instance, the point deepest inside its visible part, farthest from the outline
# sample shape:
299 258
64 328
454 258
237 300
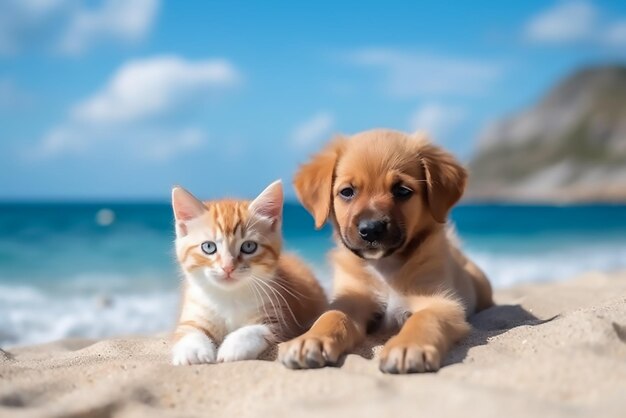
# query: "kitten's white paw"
194 348
246 343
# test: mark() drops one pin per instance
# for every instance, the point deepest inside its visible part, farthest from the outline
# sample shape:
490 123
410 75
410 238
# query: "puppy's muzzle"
373 230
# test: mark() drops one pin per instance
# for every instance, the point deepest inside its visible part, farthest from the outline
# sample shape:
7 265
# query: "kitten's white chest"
237 313
228 310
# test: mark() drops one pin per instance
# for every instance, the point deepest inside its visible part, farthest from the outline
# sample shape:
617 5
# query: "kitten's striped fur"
245 302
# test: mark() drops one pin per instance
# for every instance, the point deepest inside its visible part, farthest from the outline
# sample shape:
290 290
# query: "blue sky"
121 99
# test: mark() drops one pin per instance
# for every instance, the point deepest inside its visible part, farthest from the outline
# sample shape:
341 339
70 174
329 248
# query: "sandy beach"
554 349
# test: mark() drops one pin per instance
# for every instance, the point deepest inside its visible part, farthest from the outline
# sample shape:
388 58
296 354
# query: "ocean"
100 269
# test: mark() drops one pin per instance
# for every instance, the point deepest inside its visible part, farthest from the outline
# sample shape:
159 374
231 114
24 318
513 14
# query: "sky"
122 99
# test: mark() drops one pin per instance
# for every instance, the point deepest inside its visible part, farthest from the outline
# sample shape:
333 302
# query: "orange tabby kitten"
239 289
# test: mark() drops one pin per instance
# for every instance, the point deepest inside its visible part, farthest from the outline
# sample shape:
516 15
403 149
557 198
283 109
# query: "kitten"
239 289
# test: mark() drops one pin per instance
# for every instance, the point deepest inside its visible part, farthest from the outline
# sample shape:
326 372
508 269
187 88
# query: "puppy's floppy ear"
314 181
445 178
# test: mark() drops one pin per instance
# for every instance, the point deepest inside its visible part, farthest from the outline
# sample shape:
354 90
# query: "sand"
548 350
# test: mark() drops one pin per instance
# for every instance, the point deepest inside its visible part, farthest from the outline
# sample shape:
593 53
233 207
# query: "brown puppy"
388 196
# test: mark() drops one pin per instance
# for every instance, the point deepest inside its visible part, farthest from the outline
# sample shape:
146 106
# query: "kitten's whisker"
280 317
262 302
256 300
276 292
288 289
259 290
271 300
295 319
280 308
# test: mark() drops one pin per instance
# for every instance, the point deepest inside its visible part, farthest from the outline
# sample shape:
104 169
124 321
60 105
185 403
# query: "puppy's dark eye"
347 192
401 192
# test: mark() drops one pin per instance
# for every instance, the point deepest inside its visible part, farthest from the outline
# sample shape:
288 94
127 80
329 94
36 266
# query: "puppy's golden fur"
410 275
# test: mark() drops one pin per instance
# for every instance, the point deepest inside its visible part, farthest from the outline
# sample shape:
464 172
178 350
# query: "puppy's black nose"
372 231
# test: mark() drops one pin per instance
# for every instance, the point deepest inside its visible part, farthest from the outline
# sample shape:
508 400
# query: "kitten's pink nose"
228 269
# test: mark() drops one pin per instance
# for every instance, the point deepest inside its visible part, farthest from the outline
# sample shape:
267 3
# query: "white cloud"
408 74
119 116
436 119
125 20
173 144
140 143
149 87
616 34
60 140
72 26
27 22
575 21
567 21
312 130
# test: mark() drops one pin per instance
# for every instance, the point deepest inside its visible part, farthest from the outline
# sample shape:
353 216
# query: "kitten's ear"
186 206
269 204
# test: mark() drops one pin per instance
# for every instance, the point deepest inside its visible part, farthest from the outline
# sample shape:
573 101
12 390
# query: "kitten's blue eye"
248 247
208 247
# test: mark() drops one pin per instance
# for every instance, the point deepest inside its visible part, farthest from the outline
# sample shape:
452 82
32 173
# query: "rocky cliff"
571 146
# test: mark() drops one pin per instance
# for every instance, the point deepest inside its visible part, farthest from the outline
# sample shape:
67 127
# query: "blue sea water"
95 270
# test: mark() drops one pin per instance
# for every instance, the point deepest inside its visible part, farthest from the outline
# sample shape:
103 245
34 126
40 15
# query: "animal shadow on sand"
490 323
485 325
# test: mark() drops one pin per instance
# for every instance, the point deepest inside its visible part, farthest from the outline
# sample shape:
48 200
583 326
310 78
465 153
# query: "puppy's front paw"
194 348
400 357
310 352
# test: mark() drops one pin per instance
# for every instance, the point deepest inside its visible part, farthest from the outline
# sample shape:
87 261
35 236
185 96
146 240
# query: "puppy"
388 195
